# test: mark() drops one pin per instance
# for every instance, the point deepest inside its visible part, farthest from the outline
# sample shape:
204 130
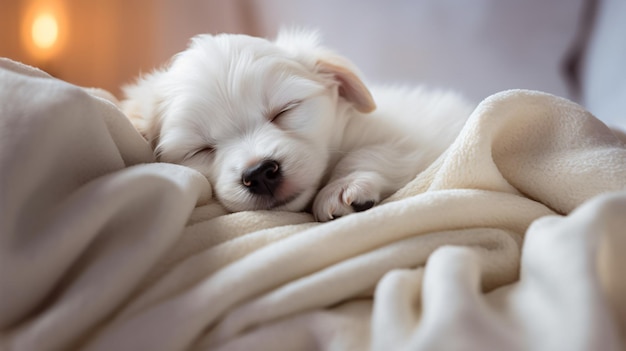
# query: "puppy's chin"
297 203
285 200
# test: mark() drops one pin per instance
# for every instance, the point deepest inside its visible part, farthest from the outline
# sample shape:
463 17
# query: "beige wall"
478 50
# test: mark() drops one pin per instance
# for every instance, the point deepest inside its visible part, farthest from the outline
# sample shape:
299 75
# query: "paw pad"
362 206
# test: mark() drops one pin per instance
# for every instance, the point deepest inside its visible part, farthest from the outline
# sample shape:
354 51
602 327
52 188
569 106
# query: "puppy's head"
255 117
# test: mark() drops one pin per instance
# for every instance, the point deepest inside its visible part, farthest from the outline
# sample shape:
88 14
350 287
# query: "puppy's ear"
141 106
304 45
351 87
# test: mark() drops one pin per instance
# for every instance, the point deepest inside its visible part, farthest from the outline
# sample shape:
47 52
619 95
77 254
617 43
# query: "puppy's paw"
354 193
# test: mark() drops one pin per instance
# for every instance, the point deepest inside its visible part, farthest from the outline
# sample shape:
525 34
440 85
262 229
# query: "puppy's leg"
363 177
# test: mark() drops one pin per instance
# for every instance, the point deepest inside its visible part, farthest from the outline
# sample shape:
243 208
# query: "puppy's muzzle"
263 178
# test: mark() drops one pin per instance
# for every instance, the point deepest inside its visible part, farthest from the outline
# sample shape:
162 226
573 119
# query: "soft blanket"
512 240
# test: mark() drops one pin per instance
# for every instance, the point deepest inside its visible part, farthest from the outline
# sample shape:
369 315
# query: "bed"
512 240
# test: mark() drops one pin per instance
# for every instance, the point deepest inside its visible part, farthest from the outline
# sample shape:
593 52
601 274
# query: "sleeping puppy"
289 125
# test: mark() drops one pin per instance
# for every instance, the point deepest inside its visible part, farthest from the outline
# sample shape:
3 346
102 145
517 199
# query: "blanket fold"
510 240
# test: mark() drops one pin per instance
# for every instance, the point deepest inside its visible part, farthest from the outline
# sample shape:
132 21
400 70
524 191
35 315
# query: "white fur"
334 152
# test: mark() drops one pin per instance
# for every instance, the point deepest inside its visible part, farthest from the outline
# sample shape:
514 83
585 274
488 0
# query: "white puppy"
287 124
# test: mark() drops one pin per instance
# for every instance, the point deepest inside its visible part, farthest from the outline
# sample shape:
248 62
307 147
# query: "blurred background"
571 48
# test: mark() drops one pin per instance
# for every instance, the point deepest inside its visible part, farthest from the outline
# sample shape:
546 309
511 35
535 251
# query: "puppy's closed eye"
203 151
275 116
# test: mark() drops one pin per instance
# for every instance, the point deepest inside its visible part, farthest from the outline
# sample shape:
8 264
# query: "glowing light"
45 31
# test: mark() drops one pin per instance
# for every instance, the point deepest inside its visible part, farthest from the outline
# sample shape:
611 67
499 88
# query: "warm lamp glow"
45 30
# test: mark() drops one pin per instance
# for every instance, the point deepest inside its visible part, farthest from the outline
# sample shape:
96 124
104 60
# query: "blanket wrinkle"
76 216
235 283
579 316
27 201
512 239
193 241
345 281
106 268
538 148
344 327
206 212
397 296
187 273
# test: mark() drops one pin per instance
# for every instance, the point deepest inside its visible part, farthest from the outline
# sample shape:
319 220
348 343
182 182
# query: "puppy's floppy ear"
351 87
141 106
304 45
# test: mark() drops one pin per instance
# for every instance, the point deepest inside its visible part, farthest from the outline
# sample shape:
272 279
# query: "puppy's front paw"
354 193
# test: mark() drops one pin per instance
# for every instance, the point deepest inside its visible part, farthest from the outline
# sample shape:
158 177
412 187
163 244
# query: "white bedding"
512 240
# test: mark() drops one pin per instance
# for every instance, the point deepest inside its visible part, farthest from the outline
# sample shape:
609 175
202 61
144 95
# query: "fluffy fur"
287 124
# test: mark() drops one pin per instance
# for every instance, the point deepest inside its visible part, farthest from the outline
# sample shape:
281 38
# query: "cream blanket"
504 243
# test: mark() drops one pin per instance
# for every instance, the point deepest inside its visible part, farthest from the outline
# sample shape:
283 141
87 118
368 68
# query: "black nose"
262 178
